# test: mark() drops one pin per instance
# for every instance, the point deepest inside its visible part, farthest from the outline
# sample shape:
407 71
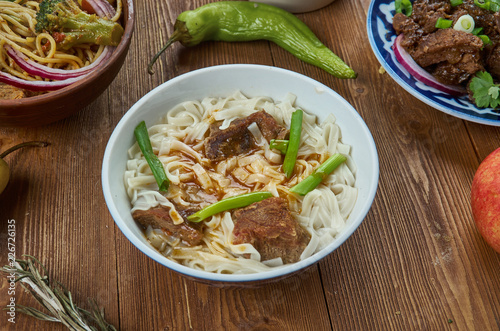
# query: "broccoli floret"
69 25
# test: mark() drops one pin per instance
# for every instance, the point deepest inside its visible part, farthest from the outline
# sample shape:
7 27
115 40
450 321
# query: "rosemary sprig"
55 298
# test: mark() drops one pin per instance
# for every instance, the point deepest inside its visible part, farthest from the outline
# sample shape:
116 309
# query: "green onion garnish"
442 23
403 6
279 144
465 23
486 40
456 2
141 134
313 180
477 31
293 143
237 201
484 4
495 5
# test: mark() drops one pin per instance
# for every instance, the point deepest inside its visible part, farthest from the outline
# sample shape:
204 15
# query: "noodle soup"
196 181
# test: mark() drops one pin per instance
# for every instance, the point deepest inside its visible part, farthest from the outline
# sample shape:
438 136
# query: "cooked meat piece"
236 139
445 45
457 73
426 13
8 92
268 126
270 227
482 17
411 30
159 217
493 62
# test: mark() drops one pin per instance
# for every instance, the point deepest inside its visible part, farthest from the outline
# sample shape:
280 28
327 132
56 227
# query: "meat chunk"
159 217
8 92
493 62
268 126
236 139
411 30
426 13
270 227
446 45
457 73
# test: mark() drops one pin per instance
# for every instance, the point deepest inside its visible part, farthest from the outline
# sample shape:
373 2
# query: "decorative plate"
382 35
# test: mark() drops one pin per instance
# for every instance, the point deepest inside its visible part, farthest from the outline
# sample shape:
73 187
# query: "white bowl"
221 81
298 6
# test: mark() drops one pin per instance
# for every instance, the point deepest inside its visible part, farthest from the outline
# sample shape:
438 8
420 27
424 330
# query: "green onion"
482 4
237 201
279 144
313 180
486 40
465 23
141 134
495 5
477 31
293 143
442 23
403 6
456 2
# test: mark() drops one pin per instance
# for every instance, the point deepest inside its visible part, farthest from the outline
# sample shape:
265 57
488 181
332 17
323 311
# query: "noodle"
178 141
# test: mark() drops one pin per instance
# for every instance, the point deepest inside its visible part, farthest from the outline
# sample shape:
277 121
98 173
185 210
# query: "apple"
485 199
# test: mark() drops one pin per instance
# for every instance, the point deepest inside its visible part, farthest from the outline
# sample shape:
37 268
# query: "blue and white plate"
382 35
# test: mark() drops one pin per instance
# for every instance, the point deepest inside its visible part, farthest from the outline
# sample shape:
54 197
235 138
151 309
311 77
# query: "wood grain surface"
417 262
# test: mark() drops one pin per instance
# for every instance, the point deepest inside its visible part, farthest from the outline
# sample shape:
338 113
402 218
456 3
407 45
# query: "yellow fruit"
4 167
4 175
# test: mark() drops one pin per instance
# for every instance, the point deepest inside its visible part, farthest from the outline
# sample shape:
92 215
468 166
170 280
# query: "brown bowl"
53 106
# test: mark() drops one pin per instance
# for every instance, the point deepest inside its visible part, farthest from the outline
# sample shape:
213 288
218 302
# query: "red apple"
485 199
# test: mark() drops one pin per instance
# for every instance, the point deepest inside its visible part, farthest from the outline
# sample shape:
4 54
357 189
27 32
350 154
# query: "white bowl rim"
237 278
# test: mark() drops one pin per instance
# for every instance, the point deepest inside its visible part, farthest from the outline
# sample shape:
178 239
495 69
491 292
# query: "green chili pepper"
247 21
237 201
313 180
141 134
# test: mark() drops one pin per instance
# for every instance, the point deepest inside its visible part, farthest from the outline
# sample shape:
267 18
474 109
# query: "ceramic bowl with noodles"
210 130
72 78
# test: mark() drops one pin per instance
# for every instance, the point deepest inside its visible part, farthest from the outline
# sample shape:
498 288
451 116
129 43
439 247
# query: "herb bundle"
55 298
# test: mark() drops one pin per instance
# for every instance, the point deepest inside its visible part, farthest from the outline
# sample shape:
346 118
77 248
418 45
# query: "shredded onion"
36 85
97 9
421 74
36 69
102 8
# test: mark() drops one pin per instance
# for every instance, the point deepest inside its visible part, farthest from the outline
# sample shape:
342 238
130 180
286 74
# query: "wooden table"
417 262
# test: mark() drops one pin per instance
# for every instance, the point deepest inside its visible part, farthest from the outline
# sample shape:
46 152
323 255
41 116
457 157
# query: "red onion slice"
102 8
421 74
97 9
36 69
36 85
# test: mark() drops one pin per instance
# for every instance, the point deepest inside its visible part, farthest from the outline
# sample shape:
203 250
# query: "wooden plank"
416 262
